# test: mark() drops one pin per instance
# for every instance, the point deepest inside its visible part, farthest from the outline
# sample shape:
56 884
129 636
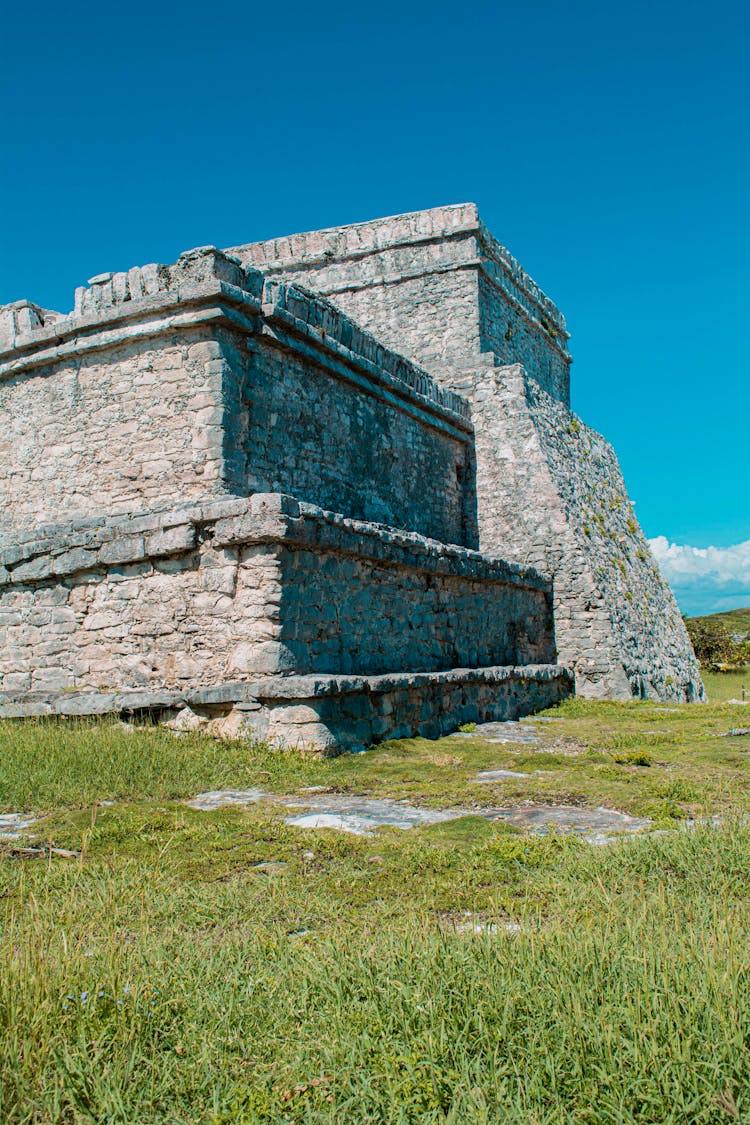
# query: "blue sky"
605 143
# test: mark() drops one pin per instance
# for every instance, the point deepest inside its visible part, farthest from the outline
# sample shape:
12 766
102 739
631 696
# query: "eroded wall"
292 426
260 388
551 495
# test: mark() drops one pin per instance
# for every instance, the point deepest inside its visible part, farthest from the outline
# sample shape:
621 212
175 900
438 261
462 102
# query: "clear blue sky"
607 145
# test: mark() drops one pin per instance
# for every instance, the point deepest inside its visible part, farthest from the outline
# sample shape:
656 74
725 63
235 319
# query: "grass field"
722 686
161 976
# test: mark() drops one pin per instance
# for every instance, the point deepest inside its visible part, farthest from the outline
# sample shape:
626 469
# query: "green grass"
721 686
163 977
594 756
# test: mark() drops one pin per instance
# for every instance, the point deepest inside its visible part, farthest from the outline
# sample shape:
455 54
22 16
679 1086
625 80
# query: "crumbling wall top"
358 240
434 285
30 336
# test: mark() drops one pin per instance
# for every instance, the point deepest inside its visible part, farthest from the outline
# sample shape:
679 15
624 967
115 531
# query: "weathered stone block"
32 571
128 549
171 540
70 561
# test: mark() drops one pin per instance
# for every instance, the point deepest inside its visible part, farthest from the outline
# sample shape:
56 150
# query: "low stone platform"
324 713
273 618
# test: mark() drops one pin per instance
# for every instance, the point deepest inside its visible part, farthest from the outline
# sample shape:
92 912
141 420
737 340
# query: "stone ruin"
325 489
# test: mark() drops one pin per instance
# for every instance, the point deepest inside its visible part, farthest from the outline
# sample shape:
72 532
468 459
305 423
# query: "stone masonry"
219 491
438 287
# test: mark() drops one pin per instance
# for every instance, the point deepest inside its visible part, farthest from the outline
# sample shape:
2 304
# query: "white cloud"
705 579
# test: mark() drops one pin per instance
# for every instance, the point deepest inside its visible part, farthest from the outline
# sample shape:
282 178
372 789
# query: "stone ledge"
326 714
234 522
322 685
190 291
358 240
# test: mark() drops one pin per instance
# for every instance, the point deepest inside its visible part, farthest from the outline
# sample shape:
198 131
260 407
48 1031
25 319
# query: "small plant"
468 728
633 758
549 327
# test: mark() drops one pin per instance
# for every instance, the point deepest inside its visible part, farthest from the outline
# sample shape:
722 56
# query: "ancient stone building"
330 521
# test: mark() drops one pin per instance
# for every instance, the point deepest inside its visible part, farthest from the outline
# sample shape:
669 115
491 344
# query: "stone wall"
551 495
301 425
110 431
433 285
323 713
330 714
132 562
217 382
236 589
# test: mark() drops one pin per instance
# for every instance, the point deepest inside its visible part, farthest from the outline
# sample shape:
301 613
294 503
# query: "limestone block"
77 559
32 571
169 541
187 720
312 737
273 503
123 550
262 657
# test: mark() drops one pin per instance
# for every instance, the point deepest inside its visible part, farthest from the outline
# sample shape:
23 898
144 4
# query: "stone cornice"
203 286
273 518
325 248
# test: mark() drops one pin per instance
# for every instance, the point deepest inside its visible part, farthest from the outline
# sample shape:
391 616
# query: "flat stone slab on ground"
598 825
13 824
497 775
222 798
363 815
509 731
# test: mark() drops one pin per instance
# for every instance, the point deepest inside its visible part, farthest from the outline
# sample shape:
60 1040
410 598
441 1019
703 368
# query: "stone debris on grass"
503 732
221 798
480 927
43 851
271 867
470 923
13 824
485 776
364 815
735 732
